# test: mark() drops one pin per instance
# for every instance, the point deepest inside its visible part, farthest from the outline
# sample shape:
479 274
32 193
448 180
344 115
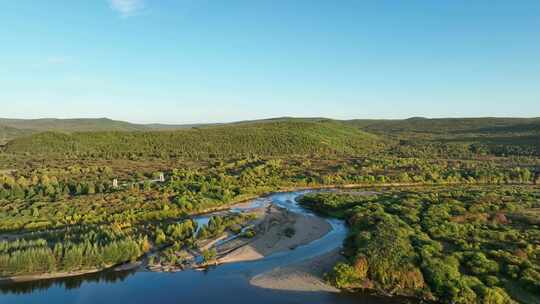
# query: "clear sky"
184 61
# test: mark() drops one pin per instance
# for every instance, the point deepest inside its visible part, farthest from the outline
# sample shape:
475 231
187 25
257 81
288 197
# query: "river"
227 283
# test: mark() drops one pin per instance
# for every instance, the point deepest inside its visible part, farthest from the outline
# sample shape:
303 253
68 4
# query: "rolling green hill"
500 136
275 136
416 126
270 138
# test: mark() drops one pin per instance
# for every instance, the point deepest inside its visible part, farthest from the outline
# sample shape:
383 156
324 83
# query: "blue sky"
184 61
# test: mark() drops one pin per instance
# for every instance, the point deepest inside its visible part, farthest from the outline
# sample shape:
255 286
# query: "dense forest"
457 245
279 138
456 213
498 136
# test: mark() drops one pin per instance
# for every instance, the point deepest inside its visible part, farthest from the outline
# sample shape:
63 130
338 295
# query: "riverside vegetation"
447 232
454 244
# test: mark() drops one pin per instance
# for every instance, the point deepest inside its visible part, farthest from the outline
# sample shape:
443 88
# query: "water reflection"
68 283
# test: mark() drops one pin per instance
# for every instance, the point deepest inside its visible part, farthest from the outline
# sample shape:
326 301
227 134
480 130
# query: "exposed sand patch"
244 253
303 276
271 236
207 244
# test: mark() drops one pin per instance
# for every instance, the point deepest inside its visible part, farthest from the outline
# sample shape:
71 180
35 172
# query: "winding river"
228 283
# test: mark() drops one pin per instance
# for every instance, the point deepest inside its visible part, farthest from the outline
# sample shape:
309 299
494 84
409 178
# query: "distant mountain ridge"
413 124
14 128
82 125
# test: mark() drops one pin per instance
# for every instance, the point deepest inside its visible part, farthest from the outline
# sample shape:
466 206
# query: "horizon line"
267 118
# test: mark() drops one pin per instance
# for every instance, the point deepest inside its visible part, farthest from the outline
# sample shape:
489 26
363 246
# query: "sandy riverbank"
303 276
270 238
278 230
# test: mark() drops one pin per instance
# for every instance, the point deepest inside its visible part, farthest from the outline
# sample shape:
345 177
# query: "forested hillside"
414 137
496 136
272 138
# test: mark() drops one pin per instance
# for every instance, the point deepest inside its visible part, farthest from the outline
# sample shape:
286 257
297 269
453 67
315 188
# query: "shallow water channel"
227 283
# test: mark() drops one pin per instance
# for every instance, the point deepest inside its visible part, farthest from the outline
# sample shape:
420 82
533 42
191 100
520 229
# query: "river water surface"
227 283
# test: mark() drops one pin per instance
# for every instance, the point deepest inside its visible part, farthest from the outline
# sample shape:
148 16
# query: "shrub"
344 276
